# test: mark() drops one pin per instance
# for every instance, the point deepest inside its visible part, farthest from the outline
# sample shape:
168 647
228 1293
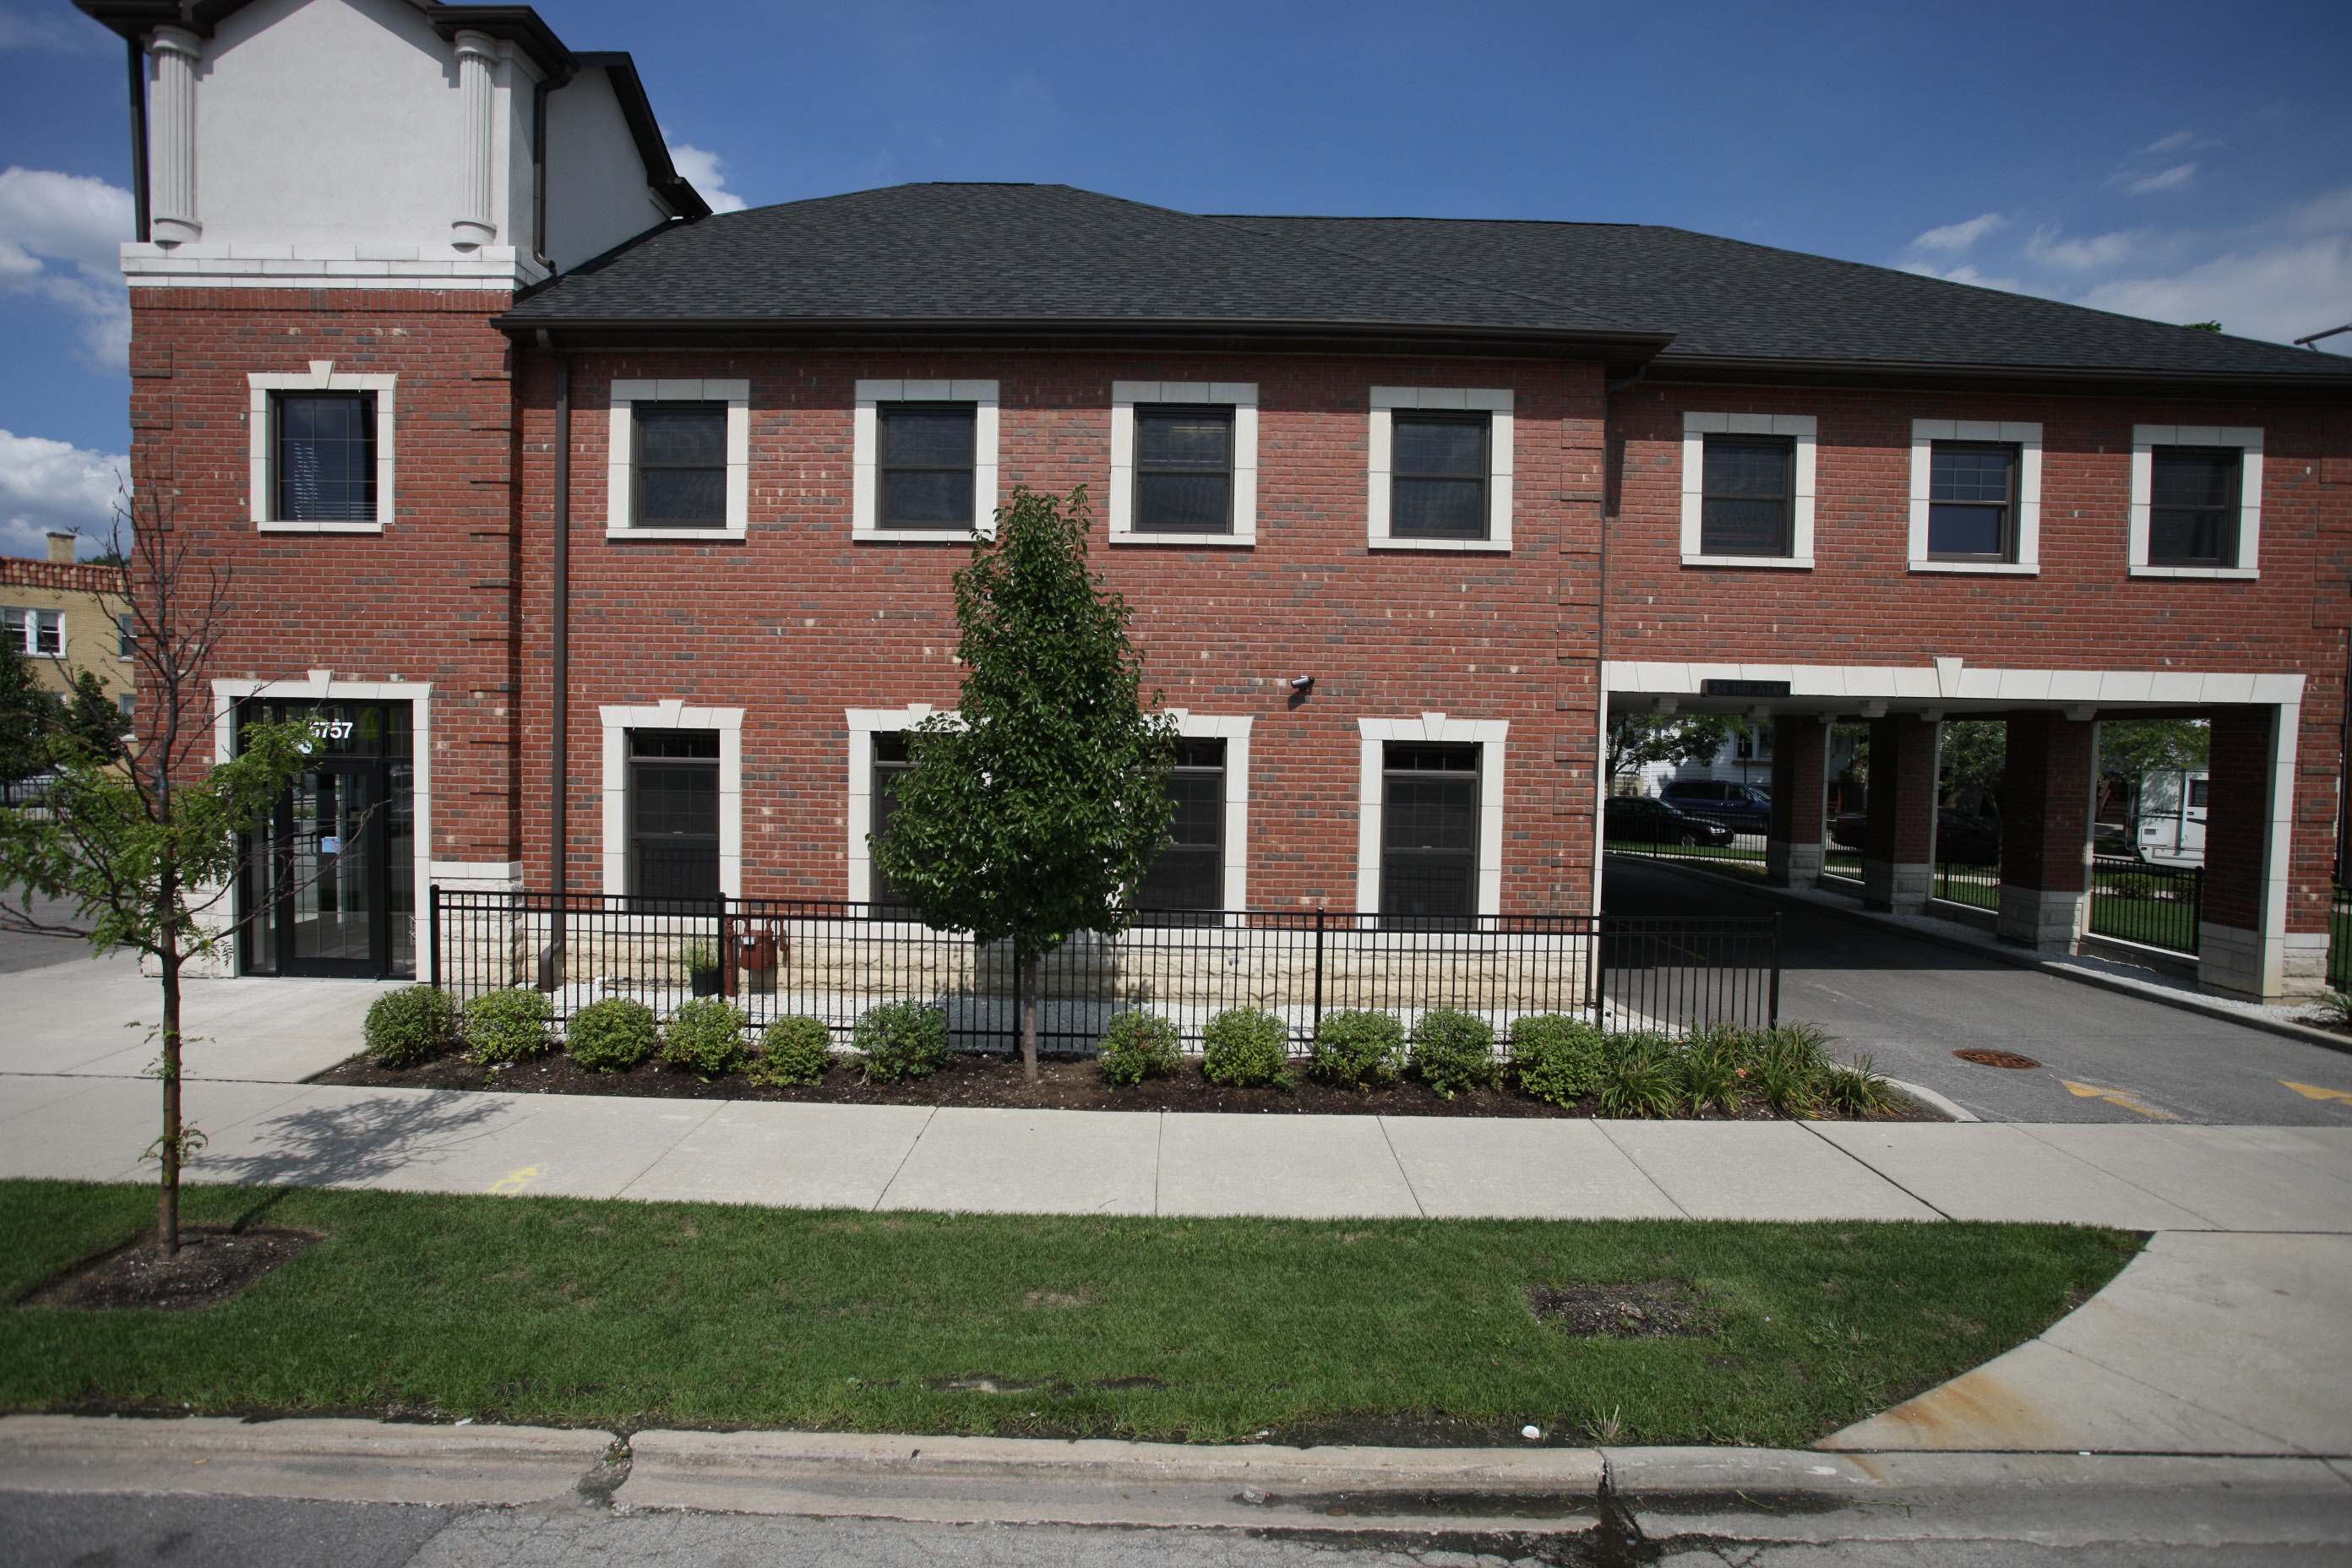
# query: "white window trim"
1488 735
672 713
2248 439
1495 401
1235 731
261 476
1242 397
865 478
620 456
320 685
1697 428
30 641
2027 439
865 724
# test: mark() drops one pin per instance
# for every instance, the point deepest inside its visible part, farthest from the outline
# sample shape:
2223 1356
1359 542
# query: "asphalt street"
47 1531
18 951
2104 1056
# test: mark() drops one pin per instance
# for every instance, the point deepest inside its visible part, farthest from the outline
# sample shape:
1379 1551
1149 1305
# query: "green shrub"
704 1036
1789 1069
902 1040
1708 1071
1246 1048
1138 1046
1356 1047
1859 1089
508 1026
611 1036
1557 1057
793 1050
1452 1051
1639 1077
405 1027
699 955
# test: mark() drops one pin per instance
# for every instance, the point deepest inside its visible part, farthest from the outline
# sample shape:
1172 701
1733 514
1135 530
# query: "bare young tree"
143 848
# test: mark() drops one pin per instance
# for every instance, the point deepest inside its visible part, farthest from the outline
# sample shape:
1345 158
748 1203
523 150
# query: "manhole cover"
1984 1058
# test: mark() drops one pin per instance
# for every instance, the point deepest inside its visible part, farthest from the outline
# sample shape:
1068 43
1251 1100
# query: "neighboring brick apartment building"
428 332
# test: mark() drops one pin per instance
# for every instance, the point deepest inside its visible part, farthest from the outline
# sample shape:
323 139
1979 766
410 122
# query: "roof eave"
2323 379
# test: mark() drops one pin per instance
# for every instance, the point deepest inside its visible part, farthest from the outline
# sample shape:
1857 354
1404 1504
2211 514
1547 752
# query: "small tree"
28 715
1030 815
147 854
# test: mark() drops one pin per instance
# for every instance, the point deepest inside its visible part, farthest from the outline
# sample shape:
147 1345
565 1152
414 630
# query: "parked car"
1962 838
1638 819
1742 807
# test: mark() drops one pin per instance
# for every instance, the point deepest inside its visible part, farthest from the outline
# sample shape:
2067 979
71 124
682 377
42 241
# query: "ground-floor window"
1190 873
329 886
673 814
1429 832
890 760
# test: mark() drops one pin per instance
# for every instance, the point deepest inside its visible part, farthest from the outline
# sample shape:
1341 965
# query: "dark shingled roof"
1054 259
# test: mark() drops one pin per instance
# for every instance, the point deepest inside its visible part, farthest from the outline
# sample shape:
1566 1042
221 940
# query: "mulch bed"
213 1265
995 1083
1633 1309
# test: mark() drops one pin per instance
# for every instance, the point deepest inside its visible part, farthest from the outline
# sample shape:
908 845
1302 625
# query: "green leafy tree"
27 716
1972 752
1029 815
91 720
1637 740
146 855
2131 749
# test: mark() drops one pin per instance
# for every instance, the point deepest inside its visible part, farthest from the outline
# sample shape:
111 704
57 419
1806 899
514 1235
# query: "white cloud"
2164 179
2083 255
2279 291
1966 272
701 170
2172 144
58 238
1954 236
46 484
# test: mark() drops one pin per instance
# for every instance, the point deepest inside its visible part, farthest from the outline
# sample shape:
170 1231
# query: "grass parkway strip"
621 1315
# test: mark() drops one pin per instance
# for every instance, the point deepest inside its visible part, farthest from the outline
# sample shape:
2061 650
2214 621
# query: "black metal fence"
834 960
2143 902
1690 834
2339 941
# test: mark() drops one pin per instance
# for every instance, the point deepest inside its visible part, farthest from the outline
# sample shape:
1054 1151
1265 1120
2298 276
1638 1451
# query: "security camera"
1302 684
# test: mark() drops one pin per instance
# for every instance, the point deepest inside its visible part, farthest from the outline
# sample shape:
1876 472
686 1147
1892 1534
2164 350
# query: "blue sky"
2176 161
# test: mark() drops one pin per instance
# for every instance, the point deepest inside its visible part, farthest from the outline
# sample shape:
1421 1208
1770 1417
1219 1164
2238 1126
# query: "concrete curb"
1952 1109
1959 941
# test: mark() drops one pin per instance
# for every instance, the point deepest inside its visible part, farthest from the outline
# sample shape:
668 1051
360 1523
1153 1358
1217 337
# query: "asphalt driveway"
1911 1004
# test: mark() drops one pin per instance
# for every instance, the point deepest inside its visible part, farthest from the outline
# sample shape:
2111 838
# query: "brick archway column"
1800 777
2045 830
2246 945
1899 835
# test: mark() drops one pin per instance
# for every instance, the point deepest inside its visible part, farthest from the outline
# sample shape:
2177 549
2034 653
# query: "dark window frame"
2008 509
1224 414
1787 446
673 750
1400 475
639 466
1416 760
281 471
884 467
2230 547
1193 754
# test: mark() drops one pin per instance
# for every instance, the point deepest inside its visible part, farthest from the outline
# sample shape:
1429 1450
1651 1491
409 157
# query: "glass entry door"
329 885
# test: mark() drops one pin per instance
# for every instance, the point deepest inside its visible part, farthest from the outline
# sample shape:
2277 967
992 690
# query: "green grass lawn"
630 1315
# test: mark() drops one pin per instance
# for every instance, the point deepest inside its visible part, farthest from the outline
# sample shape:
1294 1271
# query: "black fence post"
1319 971
1773 1013
1595 959
432 933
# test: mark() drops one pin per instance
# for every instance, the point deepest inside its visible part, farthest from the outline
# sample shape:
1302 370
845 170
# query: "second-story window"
126 635
927 458
1438 475
326 456
681 465
1749 484
1972 501
2193 506
39 634
1183 470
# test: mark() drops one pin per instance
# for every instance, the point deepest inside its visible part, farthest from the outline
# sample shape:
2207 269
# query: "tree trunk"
1032 983
167 1198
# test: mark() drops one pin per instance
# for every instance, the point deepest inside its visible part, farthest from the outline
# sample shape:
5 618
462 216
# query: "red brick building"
527 447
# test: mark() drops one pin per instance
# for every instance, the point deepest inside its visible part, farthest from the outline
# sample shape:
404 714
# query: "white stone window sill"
2230 573
1769 563
319 527
1983 568
657 535
1455 546
912 536
1209 540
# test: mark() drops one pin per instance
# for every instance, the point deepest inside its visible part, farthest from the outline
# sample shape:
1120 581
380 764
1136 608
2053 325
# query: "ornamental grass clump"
1859 1089
611 1036
901 1040
1557 1057
704 1036
1138 1046
1789 1069
1356 1048
1248 1048
1454 1050
1640 1077
508 1026
792 1051
1710 1069
408 1026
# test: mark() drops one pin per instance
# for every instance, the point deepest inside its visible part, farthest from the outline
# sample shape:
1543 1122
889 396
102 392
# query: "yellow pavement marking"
2313 1091
516 1180
2121 1097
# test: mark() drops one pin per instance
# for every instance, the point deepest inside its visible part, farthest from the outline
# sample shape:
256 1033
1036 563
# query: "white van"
2172 815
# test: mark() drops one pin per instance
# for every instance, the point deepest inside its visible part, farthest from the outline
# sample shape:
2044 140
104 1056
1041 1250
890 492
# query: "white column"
172 136
477 58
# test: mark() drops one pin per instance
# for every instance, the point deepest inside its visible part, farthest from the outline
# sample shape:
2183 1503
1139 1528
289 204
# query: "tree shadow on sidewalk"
355 1144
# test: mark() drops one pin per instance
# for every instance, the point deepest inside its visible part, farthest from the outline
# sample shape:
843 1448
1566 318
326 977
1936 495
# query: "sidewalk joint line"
2043 1339
1632 1159
1874 1170
2027 1127
648 1167
899 1169
1419 1207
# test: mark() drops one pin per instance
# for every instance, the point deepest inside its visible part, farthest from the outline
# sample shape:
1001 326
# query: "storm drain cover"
1985 1058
